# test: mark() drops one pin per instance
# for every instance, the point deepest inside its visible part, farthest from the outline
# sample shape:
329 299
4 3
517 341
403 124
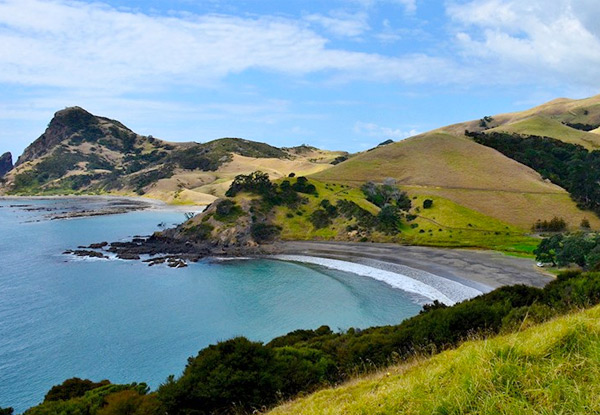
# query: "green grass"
552 368
445 224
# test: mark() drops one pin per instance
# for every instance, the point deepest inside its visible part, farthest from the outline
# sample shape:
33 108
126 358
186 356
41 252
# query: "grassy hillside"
551 368
572 111
547 127
472 176
445 223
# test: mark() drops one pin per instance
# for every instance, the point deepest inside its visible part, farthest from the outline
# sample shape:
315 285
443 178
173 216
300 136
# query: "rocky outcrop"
72 123
6 163
64 124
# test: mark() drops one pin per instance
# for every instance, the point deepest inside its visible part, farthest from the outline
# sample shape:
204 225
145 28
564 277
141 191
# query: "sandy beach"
481 270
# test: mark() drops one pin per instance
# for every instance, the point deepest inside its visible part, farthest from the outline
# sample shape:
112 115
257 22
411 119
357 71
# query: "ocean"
63 316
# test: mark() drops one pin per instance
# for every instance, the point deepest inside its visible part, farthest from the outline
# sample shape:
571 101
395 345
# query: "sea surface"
63 317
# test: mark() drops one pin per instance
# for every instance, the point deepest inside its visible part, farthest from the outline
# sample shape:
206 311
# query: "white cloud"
341 24
536 40
73 44
383 133
410 6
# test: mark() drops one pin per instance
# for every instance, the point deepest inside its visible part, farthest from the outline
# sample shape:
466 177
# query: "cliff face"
6 163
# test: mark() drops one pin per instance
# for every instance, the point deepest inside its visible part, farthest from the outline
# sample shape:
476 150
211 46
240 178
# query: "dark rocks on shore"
95 246
86 253
159 245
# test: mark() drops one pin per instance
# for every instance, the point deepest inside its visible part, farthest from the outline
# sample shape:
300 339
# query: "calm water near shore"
62 317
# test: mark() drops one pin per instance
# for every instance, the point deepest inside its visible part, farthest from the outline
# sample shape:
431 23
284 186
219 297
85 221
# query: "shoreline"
483 271
426 286
113 205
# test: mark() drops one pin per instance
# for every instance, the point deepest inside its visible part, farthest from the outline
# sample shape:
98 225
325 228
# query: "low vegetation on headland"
300 208
241 376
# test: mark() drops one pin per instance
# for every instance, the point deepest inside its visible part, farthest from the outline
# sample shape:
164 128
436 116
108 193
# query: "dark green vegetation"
581 249
569 165
294 193
84 397
210 156
239 376
555 224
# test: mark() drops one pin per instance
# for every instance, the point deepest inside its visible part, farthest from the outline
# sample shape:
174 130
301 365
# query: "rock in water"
6 163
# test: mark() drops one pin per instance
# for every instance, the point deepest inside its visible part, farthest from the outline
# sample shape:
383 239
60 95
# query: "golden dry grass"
467 173
440 160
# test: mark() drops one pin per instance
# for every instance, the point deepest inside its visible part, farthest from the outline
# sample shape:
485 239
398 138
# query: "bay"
62 317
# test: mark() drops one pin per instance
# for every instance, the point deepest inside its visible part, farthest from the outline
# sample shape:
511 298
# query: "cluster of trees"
582 249
555 224
568 165
256 182
241 376
391 200
582 126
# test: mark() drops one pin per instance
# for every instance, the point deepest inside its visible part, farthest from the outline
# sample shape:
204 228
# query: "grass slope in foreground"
550 368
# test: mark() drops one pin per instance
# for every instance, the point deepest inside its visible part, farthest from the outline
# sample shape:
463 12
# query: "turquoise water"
62 317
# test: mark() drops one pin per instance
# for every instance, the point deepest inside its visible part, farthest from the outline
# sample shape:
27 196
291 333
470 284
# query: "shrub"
386 194
427 203
320 219
200 232
72 388
303 186
263 232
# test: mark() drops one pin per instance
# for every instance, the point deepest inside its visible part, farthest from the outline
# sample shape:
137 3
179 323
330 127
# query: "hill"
449 164
550 368
80 153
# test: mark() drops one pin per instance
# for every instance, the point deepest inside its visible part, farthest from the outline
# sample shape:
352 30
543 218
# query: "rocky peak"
6 163
76 125
64 124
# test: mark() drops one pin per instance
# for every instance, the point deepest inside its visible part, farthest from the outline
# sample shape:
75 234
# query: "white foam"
393 279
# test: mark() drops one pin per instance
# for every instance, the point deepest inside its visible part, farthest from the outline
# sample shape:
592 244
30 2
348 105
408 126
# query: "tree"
385 194
389 219
427 203
547 249
574 249
256 182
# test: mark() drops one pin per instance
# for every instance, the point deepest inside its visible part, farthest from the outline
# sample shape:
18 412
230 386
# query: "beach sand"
482 270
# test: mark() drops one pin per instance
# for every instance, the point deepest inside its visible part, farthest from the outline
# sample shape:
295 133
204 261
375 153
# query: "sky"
337 74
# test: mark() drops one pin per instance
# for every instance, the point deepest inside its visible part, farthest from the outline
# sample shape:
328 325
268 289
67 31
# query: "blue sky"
342 74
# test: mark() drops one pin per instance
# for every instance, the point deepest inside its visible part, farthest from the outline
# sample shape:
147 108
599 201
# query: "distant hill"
448 164
83 153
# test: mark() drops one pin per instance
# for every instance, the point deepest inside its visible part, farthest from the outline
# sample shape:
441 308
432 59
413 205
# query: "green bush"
264 232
